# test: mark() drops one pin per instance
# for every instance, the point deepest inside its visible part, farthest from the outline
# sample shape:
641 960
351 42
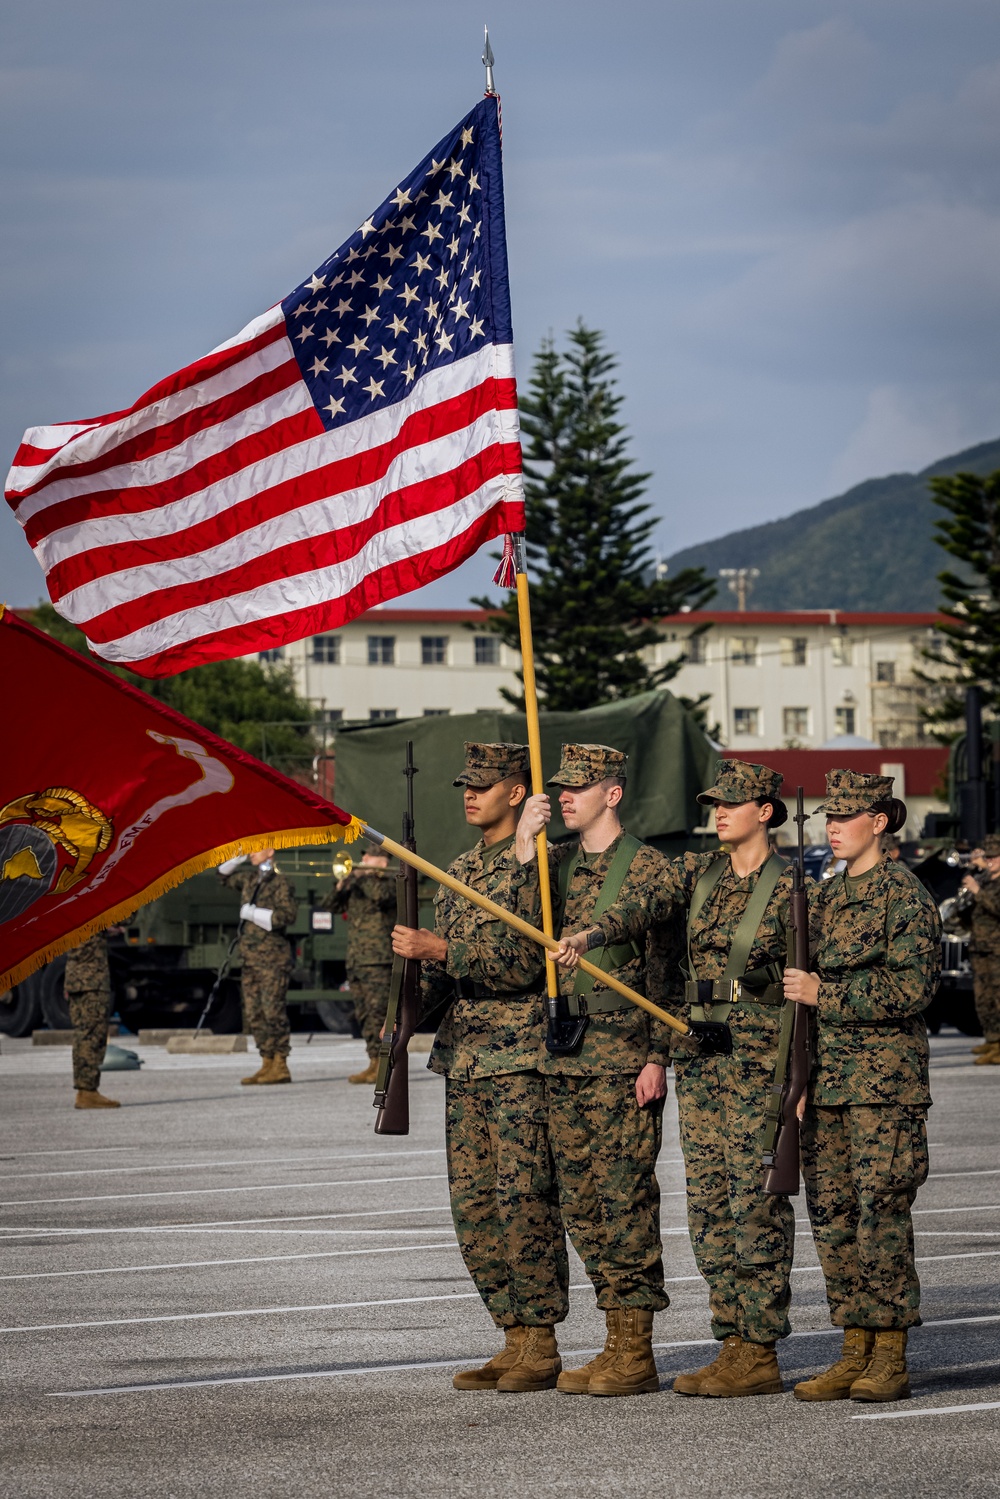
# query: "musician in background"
367 897
984 886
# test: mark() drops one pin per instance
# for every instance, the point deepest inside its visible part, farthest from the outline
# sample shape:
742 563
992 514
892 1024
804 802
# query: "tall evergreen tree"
970 532
595 601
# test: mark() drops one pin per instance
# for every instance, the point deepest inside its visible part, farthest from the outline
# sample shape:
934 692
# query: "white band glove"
231 864
259 915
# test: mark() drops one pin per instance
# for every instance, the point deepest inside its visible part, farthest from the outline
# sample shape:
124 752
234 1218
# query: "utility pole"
740 581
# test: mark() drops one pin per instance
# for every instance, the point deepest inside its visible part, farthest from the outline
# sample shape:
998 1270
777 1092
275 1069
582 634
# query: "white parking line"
370 1181
932 1410
16 1235
940 1175
283 1160
17 1155
452 1363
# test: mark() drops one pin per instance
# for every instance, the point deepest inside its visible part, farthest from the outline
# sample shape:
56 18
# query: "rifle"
781 1133
392 1084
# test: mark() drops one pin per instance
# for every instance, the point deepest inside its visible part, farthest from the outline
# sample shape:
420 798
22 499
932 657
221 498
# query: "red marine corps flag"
107 798
354 442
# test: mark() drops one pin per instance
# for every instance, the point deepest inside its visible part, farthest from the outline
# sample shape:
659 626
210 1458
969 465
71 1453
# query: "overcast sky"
784 214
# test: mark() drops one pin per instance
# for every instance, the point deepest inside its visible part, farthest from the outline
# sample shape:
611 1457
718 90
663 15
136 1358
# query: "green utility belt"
713 999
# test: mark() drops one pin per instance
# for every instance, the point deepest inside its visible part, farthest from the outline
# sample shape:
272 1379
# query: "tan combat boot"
577 1381
260 1074
277 1071
488 1376
538 1363
368 1076
690 1384
835 1383
886 1377
753 1371
632 1371
977 1051
89 1098
990 1057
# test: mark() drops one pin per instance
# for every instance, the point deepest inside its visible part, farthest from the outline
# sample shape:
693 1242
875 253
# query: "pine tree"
971 598
594 601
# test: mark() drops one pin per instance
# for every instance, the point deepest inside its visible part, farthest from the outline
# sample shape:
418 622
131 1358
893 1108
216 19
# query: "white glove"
259 915
231 864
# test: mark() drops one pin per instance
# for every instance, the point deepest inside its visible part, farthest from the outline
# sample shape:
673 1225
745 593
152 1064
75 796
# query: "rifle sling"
392 1006
581 1001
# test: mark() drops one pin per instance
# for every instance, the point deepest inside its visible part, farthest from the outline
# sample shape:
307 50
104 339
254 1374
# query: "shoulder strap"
610 958
567 869
752 917
707 882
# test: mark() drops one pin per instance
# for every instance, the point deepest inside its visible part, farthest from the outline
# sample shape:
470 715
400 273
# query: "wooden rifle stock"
392 1086
782 1176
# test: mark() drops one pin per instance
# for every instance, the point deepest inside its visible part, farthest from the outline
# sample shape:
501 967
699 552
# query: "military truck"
164 963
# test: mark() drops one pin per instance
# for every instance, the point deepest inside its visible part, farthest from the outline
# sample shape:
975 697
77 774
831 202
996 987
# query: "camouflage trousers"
88 1015
264 984
742 1238
369 990
986 989
862 1166
503 1198
604 1148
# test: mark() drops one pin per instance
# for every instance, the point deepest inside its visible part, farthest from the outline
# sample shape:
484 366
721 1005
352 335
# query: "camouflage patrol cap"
991 845
486 764
586 764
739 781
849 792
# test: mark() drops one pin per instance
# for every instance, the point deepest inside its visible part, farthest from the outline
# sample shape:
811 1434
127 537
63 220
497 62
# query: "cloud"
903 430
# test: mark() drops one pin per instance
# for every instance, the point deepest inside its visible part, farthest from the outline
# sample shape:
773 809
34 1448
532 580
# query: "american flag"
355 442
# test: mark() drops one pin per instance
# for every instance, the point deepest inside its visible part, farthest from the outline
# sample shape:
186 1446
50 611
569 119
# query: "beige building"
773 680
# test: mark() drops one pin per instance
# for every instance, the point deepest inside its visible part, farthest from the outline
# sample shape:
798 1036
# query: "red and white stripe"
218 517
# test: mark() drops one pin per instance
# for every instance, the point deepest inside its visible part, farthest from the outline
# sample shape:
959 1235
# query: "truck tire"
55 1005
337 1015
21 1008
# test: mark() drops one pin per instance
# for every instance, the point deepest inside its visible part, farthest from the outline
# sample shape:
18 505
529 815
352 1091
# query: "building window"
326 649
436 712
276 653
487 650
743 650
842 650
746 721
793 650
795 722
332 715
433 650
381 650
844 718
382 715
696 650
885 671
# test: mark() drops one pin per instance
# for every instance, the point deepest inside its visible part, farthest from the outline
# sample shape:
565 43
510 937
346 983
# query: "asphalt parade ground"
219 1290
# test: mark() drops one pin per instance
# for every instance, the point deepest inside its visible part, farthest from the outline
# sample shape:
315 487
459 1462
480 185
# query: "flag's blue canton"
420 284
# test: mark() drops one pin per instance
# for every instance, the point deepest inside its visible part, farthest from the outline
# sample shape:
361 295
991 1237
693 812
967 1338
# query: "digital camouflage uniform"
503 1197
265 957
743 1238
88 988
368 897
877 950
986 948
604 1145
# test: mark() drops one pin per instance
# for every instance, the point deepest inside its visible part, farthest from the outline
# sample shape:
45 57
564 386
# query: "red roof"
835 617
925 769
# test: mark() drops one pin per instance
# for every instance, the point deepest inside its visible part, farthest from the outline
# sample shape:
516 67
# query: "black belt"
466 988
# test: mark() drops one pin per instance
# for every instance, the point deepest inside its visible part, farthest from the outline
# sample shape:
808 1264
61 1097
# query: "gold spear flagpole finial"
488 60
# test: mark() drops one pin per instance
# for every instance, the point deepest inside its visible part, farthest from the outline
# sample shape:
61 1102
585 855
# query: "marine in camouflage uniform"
986 951
87 984
877 953
742 1237
268 907
604 1143
367 896
503 1197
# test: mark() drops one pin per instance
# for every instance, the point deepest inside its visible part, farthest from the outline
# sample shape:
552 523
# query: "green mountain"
871 548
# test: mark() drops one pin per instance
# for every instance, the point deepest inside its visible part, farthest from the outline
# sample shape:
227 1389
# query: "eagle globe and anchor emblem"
48 842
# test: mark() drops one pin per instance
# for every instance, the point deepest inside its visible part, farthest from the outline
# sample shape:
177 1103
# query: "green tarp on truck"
671 759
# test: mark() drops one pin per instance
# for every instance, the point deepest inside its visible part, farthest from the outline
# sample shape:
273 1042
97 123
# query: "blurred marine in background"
268 908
